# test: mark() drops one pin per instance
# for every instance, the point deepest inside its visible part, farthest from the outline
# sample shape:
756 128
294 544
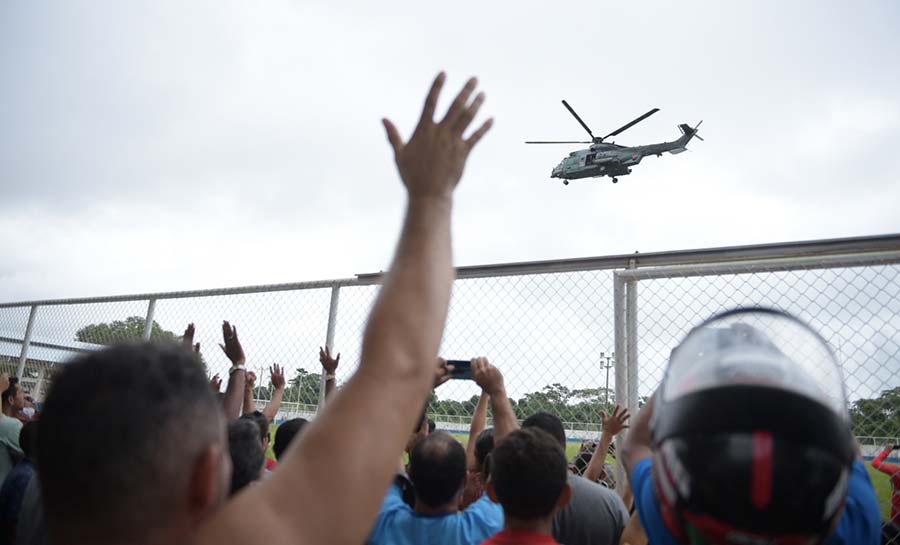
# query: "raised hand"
615 423
232 347
188 339
432 162
216 383
443 373
487 376
329 363
250 382
277 373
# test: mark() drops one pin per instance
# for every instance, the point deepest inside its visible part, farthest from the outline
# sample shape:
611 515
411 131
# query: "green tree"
877 417
304 387
130 329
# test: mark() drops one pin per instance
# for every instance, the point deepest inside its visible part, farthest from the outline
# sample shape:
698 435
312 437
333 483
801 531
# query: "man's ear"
491 492
565 496
210 481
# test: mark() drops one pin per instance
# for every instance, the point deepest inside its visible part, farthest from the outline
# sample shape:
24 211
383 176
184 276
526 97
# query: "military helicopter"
608 158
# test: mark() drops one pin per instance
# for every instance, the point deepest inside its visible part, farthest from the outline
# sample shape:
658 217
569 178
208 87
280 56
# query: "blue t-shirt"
860 524
398 524
13 490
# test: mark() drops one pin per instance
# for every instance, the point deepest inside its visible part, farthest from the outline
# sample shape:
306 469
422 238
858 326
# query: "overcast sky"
172 145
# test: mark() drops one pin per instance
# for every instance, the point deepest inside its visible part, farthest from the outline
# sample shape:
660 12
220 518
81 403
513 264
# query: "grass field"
880 480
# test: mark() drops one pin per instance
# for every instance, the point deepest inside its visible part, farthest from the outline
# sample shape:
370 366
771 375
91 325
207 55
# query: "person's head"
131 443
529 475
580 462
13 396
285 434
437 468
29 410
750 432
258 418
28 439
484 444
247 456
549 423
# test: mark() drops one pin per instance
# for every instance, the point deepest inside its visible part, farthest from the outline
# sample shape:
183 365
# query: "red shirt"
271 464
519 537
894 471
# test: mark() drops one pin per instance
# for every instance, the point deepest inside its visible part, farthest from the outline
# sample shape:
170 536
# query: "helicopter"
608 158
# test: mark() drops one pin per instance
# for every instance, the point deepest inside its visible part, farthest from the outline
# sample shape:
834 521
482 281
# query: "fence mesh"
552 335
856 309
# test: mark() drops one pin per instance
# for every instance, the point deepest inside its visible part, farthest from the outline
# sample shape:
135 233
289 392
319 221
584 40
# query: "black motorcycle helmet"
751 434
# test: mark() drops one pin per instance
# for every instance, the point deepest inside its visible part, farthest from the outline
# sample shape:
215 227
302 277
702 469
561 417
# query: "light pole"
608 363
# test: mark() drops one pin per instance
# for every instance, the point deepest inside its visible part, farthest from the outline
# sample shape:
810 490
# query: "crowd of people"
136 445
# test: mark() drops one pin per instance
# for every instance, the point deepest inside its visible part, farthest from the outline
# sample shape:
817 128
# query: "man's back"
595 516
9 444
398 524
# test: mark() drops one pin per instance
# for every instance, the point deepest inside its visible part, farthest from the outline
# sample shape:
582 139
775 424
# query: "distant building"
43 357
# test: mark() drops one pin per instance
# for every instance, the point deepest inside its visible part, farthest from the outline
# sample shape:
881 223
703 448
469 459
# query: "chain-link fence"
554 328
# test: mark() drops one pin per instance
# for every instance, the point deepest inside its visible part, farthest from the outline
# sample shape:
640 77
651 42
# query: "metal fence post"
26 342
148 323
631 352
329 336
621 378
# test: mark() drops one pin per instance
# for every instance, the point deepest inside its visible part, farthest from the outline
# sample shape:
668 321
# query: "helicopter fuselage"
607 159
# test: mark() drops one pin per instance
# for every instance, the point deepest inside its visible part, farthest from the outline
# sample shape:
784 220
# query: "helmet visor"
756 347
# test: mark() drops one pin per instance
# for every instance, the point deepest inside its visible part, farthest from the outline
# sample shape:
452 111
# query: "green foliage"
570 405
129 329
877 417
303 388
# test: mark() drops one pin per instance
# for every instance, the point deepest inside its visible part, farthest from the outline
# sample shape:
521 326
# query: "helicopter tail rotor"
691 131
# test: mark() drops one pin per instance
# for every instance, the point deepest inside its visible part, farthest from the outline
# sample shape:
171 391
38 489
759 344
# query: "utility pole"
608 363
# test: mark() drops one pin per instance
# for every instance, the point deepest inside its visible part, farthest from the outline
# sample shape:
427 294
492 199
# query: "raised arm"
479 422
237 376
332 479
329 366
491 381
278 383
249 383
885 467
612 425
636 446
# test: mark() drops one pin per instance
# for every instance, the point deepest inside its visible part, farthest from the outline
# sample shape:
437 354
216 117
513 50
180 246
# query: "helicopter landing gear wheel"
615 180
565 182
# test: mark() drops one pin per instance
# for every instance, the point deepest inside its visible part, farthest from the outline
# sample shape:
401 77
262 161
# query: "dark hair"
431 426
155 403
484 444
258 418
247 456
581 461
550 423
285 434
28 439
437 467
11 390
528 472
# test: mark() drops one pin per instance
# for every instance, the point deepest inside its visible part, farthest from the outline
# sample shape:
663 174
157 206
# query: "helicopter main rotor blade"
558 142
583 124
623 128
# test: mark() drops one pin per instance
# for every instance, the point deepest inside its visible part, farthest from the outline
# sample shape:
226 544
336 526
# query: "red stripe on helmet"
761 486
